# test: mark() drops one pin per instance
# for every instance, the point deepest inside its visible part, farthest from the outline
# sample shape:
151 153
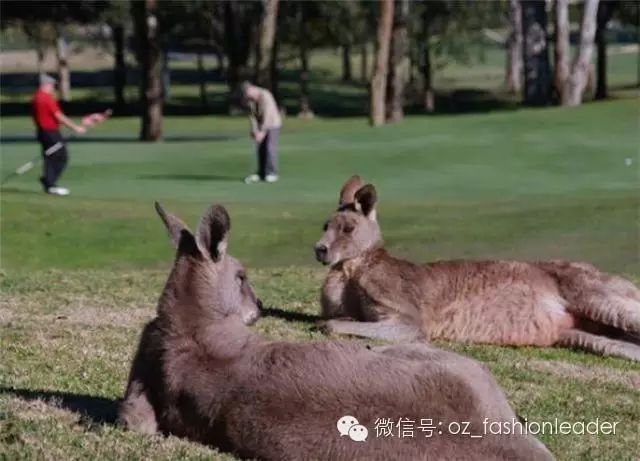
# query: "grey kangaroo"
201 373
370 293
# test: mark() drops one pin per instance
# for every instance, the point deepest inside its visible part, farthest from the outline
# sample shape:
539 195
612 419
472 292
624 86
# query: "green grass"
80 275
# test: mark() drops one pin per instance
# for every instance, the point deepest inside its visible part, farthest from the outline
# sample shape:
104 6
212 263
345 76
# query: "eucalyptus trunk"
561 53
202 81
305 105
605 11
427 80
119 67
537 72
579 76
64 74
364 63
514 72
346 63
150 55
266 42
398 63
381 70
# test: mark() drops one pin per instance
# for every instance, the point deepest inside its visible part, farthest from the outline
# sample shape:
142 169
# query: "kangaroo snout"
321 251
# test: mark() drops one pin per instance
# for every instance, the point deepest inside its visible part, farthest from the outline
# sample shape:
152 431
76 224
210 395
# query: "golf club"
88 121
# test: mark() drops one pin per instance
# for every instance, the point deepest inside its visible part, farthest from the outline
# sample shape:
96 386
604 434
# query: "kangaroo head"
206 284
353 229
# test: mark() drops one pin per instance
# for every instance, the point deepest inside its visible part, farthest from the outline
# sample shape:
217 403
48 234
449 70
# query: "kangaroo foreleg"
136 412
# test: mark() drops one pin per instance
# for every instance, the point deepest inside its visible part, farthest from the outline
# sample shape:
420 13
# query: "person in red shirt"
48 117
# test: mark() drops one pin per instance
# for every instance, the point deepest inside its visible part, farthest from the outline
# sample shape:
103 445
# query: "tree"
117 16
150 58
605 12
239 27
44 23
537 77
561 53
364 62
198 26
266 42
570 82
398 63
346 63
428 95
119 64
577 81
379 79
42 35
305 107
514 75
64 74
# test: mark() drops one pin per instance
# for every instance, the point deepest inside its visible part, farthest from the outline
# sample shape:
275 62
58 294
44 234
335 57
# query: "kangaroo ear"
176 228
365 200
349 189
213 232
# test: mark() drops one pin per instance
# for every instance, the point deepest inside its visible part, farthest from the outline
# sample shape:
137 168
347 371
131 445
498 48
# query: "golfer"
48 117
265 130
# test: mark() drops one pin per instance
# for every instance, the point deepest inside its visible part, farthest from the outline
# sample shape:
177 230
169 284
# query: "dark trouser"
54 156
267 152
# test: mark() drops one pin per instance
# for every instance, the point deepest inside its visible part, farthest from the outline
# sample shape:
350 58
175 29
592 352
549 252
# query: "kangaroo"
200 372
372 294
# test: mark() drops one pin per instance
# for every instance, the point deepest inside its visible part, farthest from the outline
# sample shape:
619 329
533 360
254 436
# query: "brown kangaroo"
201 373
547 303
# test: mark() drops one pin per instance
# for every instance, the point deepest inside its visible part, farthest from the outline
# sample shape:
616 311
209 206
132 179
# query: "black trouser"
267 152
54 156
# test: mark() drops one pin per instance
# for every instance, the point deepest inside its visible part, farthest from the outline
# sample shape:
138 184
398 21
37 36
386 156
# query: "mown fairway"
80 275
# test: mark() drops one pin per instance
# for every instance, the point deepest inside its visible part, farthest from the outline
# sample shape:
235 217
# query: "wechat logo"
348 425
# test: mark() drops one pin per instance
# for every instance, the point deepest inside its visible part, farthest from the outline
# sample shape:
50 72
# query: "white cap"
46 79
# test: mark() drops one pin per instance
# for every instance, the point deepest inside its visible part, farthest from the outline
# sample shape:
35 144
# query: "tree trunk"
305 106
120 67
428 95
346 63
202 81
40 52
266 40
398 63
364 63
537 75
64 75
379 78
220 62
150 55
238 43
513 78
166 76
561 53
577 81
605 11
275 76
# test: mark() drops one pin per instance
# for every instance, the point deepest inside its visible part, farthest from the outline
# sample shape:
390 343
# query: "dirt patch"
630 379
80 59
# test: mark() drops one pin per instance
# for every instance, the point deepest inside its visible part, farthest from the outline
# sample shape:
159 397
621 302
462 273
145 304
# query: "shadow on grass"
93 410
333 99
191 177
16 190
18 139
290 316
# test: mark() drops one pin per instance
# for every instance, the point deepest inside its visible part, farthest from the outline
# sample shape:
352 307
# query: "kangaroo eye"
325 226
348 228
241 277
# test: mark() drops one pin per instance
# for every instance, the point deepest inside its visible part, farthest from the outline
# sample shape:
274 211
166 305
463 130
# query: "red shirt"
45 107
